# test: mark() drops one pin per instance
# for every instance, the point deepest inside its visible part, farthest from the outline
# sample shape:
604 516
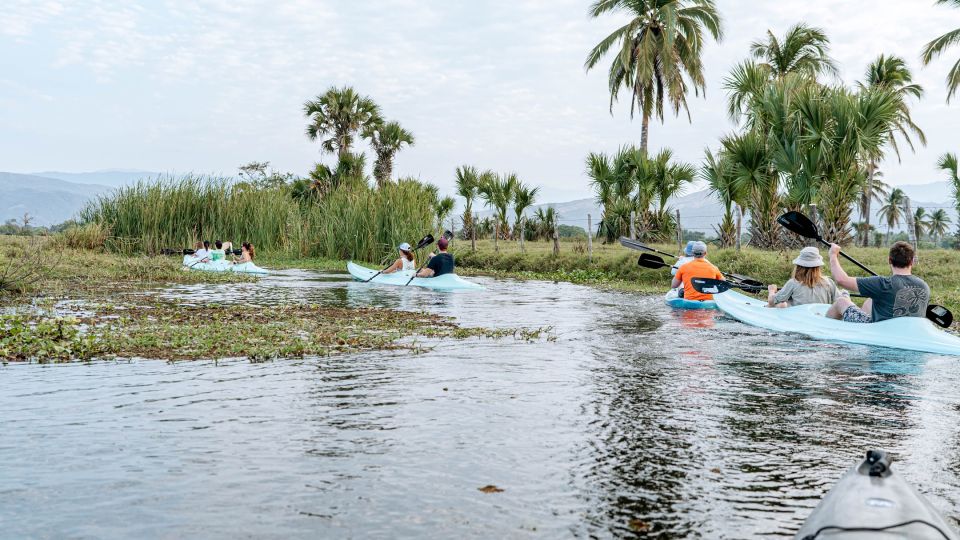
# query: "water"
636 421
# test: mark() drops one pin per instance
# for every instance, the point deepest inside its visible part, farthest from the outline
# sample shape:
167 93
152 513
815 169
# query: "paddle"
652 261
447 235
801 224
424 242
639 246
717 286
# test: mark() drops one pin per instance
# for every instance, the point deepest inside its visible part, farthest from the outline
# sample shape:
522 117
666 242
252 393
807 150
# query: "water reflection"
637 421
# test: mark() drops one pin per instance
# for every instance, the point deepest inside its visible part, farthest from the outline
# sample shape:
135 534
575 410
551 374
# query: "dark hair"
407 254
902 254
206 244
219 244
249 247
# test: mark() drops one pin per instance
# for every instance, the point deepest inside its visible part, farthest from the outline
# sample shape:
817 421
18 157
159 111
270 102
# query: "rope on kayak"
876 529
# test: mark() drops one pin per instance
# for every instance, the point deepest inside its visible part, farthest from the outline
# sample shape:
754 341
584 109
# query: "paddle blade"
424 242
647 260
448 235
799 224
940 315
632 244
710 286
188 252
238 252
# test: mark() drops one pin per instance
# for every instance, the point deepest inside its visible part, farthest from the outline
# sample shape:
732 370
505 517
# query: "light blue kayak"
909 333
191 262
674 301
445 282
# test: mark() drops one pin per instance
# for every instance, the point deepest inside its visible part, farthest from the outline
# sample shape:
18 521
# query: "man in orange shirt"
699 267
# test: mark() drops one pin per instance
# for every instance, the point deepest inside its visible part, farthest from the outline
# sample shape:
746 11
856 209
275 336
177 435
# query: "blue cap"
688 251
404 247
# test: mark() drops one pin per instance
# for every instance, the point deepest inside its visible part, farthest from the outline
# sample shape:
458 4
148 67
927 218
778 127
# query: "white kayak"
192 263
910 333
444 282
872 502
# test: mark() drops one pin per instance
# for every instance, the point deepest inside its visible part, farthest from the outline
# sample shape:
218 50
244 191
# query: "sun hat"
809 258
699 248
442 243
404 247
688 251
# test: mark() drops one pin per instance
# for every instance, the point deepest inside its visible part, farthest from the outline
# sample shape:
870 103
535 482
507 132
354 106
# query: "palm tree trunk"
644 132
869 194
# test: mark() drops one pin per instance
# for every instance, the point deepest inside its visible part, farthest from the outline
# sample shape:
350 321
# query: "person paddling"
699 267
405 262
900 295
807 284
439 264
203 253
687 257
218 254
246 253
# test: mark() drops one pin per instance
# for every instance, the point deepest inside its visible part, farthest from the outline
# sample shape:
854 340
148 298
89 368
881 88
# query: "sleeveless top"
407 265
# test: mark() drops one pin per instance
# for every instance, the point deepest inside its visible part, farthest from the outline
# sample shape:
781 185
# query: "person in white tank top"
405 262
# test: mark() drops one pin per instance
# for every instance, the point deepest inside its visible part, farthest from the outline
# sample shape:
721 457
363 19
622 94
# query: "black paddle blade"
631 244
940 315
188 252
448 235
800 224
647 260
238 252
710 286
424 242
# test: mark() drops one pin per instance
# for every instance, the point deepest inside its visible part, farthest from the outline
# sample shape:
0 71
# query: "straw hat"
809 258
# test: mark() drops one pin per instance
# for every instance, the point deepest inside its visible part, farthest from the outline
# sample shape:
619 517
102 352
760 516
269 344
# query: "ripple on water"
637 421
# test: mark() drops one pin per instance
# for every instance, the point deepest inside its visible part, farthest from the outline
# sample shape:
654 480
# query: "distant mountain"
111 177
940 192
48 200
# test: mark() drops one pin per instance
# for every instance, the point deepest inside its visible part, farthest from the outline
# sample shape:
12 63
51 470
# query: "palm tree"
751 174
948 163
467 182
939 225
386 139
936 47
921 224
716 171
892 211
349 169
442 209
337 115
876 190
659 53
546 220
497 191
523 197
603 180
803 49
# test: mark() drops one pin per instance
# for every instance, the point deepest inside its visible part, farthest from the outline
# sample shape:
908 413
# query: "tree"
921 224
948 164
545 222
936 47
324 179
386 139
939 224
336 116
803 49
497 192
716 171
443 209
892 211
660 53
523 197
876 191
467 182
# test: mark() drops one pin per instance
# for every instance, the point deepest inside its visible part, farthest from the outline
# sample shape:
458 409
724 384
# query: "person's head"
247 247
688 251
206 244
219 244
442 244
405 251
198 245
808 267
902 255
699 250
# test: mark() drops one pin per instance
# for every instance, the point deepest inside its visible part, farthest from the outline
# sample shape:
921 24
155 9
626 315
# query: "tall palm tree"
337 115
876 191
948 163
921 223
442 210
386 139
716 171
751 174
939 225
468 179
497 191
604 181
546 220
349 170
936 47
659 54
803 49
523 197
892 211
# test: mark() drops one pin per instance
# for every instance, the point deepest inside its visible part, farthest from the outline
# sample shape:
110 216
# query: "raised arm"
839 274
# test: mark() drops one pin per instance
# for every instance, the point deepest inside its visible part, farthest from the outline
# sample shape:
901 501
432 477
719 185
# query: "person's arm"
784 293
839 274
771 294
393 267
677 279
429 270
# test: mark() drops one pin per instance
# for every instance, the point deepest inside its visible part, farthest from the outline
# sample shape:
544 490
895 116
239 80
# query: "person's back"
441 263
895 296
699 267
218 254
807 285
687 257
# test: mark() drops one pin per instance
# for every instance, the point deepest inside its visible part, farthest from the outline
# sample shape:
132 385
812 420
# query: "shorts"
856 315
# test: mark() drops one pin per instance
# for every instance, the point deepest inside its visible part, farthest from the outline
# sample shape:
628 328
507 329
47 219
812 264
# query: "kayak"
910 333
674 301
447 282
191 263
872 497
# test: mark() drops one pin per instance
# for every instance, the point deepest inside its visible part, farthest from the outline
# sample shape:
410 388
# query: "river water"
635 421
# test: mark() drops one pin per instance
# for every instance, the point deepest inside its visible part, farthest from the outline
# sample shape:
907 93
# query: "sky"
207 86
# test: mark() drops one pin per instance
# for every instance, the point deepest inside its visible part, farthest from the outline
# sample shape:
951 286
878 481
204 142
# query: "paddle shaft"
847 257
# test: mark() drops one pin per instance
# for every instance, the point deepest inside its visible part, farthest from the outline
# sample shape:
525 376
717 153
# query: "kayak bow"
445 282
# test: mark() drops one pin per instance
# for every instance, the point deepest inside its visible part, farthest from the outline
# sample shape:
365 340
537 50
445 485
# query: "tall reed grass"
352 222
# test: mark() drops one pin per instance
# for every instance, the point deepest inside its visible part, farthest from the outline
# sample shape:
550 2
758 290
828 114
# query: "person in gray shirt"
900 295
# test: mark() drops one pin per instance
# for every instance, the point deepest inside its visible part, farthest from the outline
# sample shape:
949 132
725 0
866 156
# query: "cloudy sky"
206 86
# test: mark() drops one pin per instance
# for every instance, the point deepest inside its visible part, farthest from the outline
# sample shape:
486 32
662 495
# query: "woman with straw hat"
807 286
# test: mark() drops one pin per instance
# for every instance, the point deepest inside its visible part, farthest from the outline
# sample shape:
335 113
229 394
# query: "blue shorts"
856 315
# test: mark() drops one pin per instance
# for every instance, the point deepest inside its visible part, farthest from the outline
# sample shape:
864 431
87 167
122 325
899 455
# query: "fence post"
453 228
523 232
679 232
911 227
496 236
589 238
633 226
556 241
739 223
473 234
